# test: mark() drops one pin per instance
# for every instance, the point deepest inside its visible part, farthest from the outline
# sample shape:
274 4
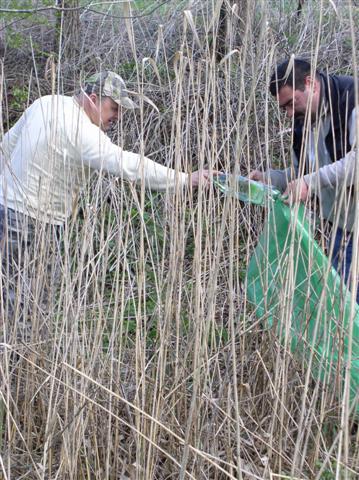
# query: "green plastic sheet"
293 287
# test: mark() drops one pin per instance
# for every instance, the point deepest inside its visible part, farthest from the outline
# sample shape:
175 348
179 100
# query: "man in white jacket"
48 156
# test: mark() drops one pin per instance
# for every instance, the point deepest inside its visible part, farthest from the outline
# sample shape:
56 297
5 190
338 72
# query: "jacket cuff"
311 179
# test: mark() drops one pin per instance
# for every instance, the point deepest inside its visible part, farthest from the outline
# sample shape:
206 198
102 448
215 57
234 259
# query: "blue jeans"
342 254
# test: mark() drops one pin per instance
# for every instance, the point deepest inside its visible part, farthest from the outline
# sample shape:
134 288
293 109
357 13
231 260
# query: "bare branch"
27 11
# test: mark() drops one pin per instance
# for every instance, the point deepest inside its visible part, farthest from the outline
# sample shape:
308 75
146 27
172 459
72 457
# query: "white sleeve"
9 142
353 127
96 150
339 173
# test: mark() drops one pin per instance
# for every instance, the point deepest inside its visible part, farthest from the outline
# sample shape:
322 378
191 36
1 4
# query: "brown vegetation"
149 362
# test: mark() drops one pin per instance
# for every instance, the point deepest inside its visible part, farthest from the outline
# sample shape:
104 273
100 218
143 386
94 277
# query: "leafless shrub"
147 361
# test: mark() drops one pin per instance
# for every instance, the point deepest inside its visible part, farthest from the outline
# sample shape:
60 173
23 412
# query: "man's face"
105 112
300 103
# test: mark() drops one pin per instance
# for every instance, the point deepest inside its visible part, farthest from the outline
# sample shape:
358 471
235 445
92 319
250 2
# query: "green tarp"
293 287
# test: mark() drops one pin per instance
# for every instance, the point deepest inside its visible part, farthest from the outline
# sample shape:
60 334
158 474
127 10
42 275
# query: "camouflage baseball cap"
110 84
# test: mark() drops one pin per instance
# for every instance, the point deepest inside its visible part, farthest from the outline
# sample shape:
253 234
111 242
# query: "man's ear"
311 83
93 97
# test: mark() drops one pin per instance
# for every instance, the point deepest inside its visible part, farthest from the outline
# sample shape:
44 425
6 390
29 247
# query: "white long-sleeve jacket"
49 154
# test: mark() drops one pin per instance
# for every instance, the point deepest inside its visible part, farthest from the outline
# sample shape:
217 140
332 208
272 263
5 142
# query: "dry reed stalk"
149 361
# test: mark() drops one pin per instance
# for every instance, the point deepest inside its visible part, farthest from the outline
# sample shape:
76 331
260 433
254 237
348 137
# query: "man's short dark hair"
294 76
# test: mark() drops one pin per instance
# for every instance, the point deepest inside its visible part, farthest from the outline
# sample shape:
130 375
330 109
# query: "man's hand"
258 176
297 191
203 176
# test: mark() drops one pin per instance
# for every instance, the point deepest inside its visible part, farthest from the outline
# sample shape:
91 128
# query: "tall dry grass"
148 361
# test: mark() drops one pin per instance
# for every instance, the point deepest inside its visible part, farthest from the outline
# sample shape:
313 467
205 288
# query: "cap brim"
126 102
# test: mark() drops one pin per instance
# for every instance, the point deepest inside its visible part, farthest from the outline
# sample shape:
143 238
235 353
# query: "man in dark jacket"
324 111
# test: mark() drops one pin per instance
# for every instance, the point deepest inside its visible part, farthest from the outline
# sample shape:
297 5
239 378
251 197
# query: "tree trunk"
231 26
67 31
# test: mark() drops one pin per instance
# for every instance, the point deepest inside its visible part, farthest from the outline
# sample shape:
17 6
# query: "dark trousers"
342 254
30 272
